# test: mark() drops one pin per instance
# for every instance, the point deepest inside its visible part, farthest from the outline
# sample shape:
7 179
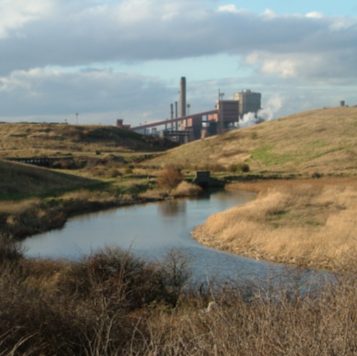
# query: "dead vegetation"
113 304
309 222
169 177
186 189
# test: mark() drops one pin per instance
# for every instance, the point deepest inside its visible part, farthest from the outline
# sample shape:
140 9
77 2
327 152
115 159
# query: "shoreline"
57 216
46 215
294 222
43 215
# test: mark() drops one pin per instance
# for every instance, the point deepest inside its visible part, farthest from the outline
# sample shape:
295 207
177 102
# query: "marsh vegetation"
111 303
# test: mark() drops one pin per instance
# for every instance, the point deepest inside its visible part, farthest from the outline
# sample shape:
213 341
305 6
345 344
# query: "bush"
170 177
316 175
185 189
240 167
126 281
9 250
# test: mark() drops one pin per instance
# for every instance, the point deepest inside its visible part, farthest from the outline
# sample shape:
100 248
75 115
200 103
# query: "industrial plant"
183 127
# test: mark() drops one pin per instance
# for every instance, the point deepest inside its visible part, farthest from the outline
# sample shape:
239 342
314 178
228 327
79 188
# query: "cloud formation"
138 30
60 92
37 36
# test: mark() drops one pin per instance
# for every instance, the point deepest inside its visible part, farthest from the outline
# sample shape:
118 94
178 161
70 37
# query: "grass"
34 200
268 157
306 222
19 181
322 141
114 304
27 140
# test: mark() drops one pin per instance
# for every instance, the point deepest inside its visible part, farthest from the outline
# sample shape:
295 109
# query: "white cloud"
314 15
269 14
230 8
52 91
16 13
279 50
285 68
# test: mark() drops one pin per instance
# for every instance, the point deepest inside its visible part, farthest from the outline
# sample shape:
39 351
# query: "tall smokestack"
183 96
176 114
172 115
171 111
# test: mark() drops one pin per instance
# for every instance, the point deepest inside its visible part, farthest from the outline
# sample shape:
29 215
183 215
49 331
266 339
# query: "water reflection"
151 230
172 207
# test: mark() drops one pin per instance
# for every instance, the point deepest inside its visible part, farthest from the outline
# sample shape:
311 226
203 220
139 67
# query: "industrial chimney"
183 96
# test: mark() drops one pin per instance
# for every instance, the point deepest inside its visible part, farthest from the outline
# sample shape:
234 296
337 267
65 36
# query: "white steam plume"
273 105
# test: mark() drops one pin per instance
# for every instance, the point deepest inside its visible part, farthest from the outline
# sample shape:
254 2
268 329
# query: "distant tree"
170 177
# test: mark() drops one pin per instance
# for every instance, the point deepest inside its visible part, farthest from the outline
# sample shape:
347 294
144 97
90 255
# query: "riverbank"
113 304
28 217
304 222
21 219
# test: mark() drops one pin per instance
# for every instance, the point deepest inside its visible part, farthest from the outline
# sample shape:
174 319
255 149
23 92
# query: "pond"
152 230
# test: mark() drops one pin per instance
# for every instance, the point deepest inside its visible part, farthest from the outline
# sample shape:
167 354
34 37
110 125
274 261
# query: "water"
151 230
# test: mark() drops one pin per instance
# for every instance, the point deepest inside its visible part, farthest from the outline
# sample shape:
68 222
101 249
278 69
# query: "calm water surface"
151 230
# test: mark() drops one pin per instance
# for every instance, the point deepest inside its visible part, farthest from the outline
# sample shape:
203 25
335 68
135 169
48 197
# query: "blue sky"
327 7
124 58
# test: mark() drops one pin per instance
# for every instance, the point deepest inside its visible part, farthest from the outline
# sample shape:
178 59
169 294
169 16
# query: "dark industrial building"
249 102
187 127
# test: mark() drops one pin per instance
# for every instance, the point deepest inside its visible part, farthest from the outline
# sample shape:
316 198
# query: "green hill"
18 181
24 140
319 141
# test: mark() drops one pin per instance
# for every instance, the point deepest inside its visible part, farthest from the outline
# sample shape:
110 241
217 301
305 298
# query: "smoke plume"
272 107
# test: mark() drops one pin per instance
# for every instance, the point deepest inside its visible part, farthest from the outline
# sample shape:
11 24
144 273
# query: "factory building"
248 102
120 125
187 127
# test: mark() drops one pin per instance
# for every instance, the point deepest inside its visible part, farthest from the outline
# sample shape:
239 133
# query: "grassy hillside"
18 181
321 141
20 140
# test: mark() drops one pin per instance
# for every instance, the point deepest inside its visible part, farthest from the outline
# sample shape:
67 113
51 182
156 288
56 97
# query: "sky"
114 59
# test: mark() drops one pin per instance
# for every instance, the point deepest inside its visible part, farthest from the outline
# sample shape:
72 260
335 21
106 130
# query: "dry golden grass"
323 141
18 207
304 222
24 140
186 189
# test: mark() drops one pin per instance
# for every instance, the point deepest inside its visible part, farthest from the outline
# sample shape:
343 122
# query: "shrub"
125 281
254 135
186 189
170 177
9 250
240 167
316 175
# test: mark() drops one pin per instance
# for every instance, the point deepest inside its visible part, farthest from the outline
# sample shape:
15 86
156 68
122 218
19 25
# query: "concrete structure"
228 114
248 102
202 178
120 125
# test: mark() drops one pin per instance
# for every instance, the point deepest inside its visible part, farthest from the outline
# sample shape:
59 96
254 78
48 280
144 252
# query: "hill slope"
323 141
23 140
22 181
